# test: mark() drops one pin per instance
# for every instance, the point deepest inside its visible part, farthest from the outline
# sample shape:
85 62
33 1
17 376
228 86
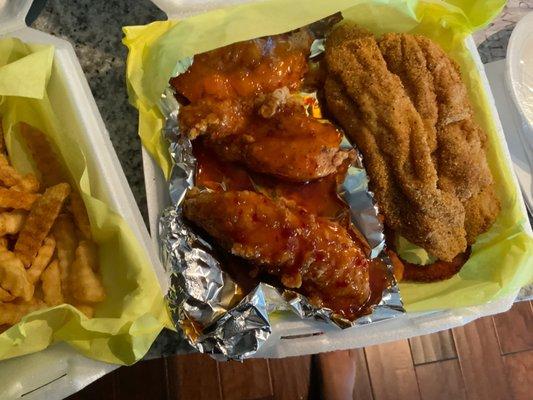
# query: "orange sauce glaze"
246 68
318 197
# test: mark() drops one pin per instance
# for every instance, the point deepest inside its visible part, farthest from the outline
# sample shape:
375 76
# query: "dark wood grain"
441 380
519 367
290 377
515 328
149 377
435 347
336 373
102 389
193 376
363 388
392 371
480 360
248 380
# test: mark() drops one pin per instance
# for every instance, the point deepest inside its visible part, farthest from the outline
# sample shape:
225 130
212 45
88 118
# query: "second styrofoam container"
59 370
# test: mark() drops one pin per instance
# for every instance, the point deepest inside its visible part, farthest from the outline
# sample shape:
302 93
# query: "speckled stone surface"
94 28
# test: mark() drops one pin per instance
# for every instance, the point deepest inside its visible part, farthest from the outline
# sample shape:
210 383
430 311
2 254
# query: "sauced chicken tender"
314 254
247 68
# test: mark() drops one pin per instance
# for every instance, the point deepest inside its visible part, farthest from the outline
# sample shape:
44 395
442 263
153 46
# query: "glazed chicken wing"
290 145
312 254
247 68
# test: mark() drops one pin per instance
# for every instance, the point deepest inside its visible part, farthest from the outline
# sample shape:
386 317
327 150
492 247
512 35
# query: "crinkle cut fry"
373 108
64 232
13 277
13 198
12 313
52 173
51 280
51 170
42 259
39 222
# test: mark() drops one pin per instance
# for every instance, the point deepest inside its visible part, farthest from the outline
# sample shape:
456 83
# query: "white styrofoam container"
293 336
59 370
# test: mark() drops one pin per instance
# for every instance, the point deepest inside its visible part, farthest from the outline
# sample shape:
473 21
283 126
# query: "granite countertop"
94 28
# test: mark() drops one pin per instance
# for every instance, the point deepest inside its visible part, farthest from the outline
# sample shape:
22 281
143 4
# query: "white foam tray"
293 336
60 371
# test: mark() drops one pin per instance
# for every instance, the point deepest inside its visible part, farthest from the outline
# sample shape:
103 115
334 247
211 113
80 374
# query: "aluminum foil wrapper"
213 312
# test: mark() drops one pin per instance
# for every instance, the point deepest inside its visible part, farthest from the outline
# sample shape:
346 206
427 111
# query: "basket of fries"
75 261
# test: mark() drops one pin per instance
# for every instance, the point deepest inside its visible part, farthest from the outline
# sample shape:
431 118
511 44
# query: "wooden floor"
491 358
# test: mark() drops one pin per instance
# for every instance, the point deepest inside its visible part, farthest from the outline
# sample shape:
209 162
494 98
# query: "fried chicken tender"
314 254
372 106
433 82
289 145
247 68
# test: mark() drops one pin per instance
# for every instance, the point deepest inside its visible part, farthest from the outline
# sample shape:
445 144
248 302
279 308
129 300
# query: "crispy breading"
405 59
433 82
481 212
311 253
39 222
373 108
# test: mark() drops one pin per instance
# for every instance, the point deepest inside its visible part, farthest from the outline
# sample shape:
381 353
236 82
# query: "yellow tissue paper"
502 258
129 320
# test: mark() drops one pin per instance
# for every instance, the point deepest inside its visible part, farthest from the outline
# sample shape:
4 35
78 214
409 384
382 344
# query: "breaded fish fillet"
374 109
434 85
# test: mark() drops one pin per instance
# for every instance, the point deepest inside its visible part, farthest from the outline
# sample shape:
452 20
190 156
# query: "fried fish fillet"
375 111
314 254
433 82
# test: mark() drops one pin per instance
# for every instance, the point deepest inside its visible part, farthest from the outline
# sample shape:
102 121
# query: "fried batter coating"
405 59
481 212
373 108
289 145
307 252
433 82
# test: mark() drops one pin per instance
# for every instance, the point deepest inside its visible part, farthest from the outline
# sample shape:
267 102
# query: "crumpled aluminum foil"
210 308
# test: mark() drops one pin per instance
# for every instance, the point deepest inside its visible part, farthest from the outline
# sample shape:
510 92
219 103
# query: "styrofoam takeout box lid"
293 336
59 370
